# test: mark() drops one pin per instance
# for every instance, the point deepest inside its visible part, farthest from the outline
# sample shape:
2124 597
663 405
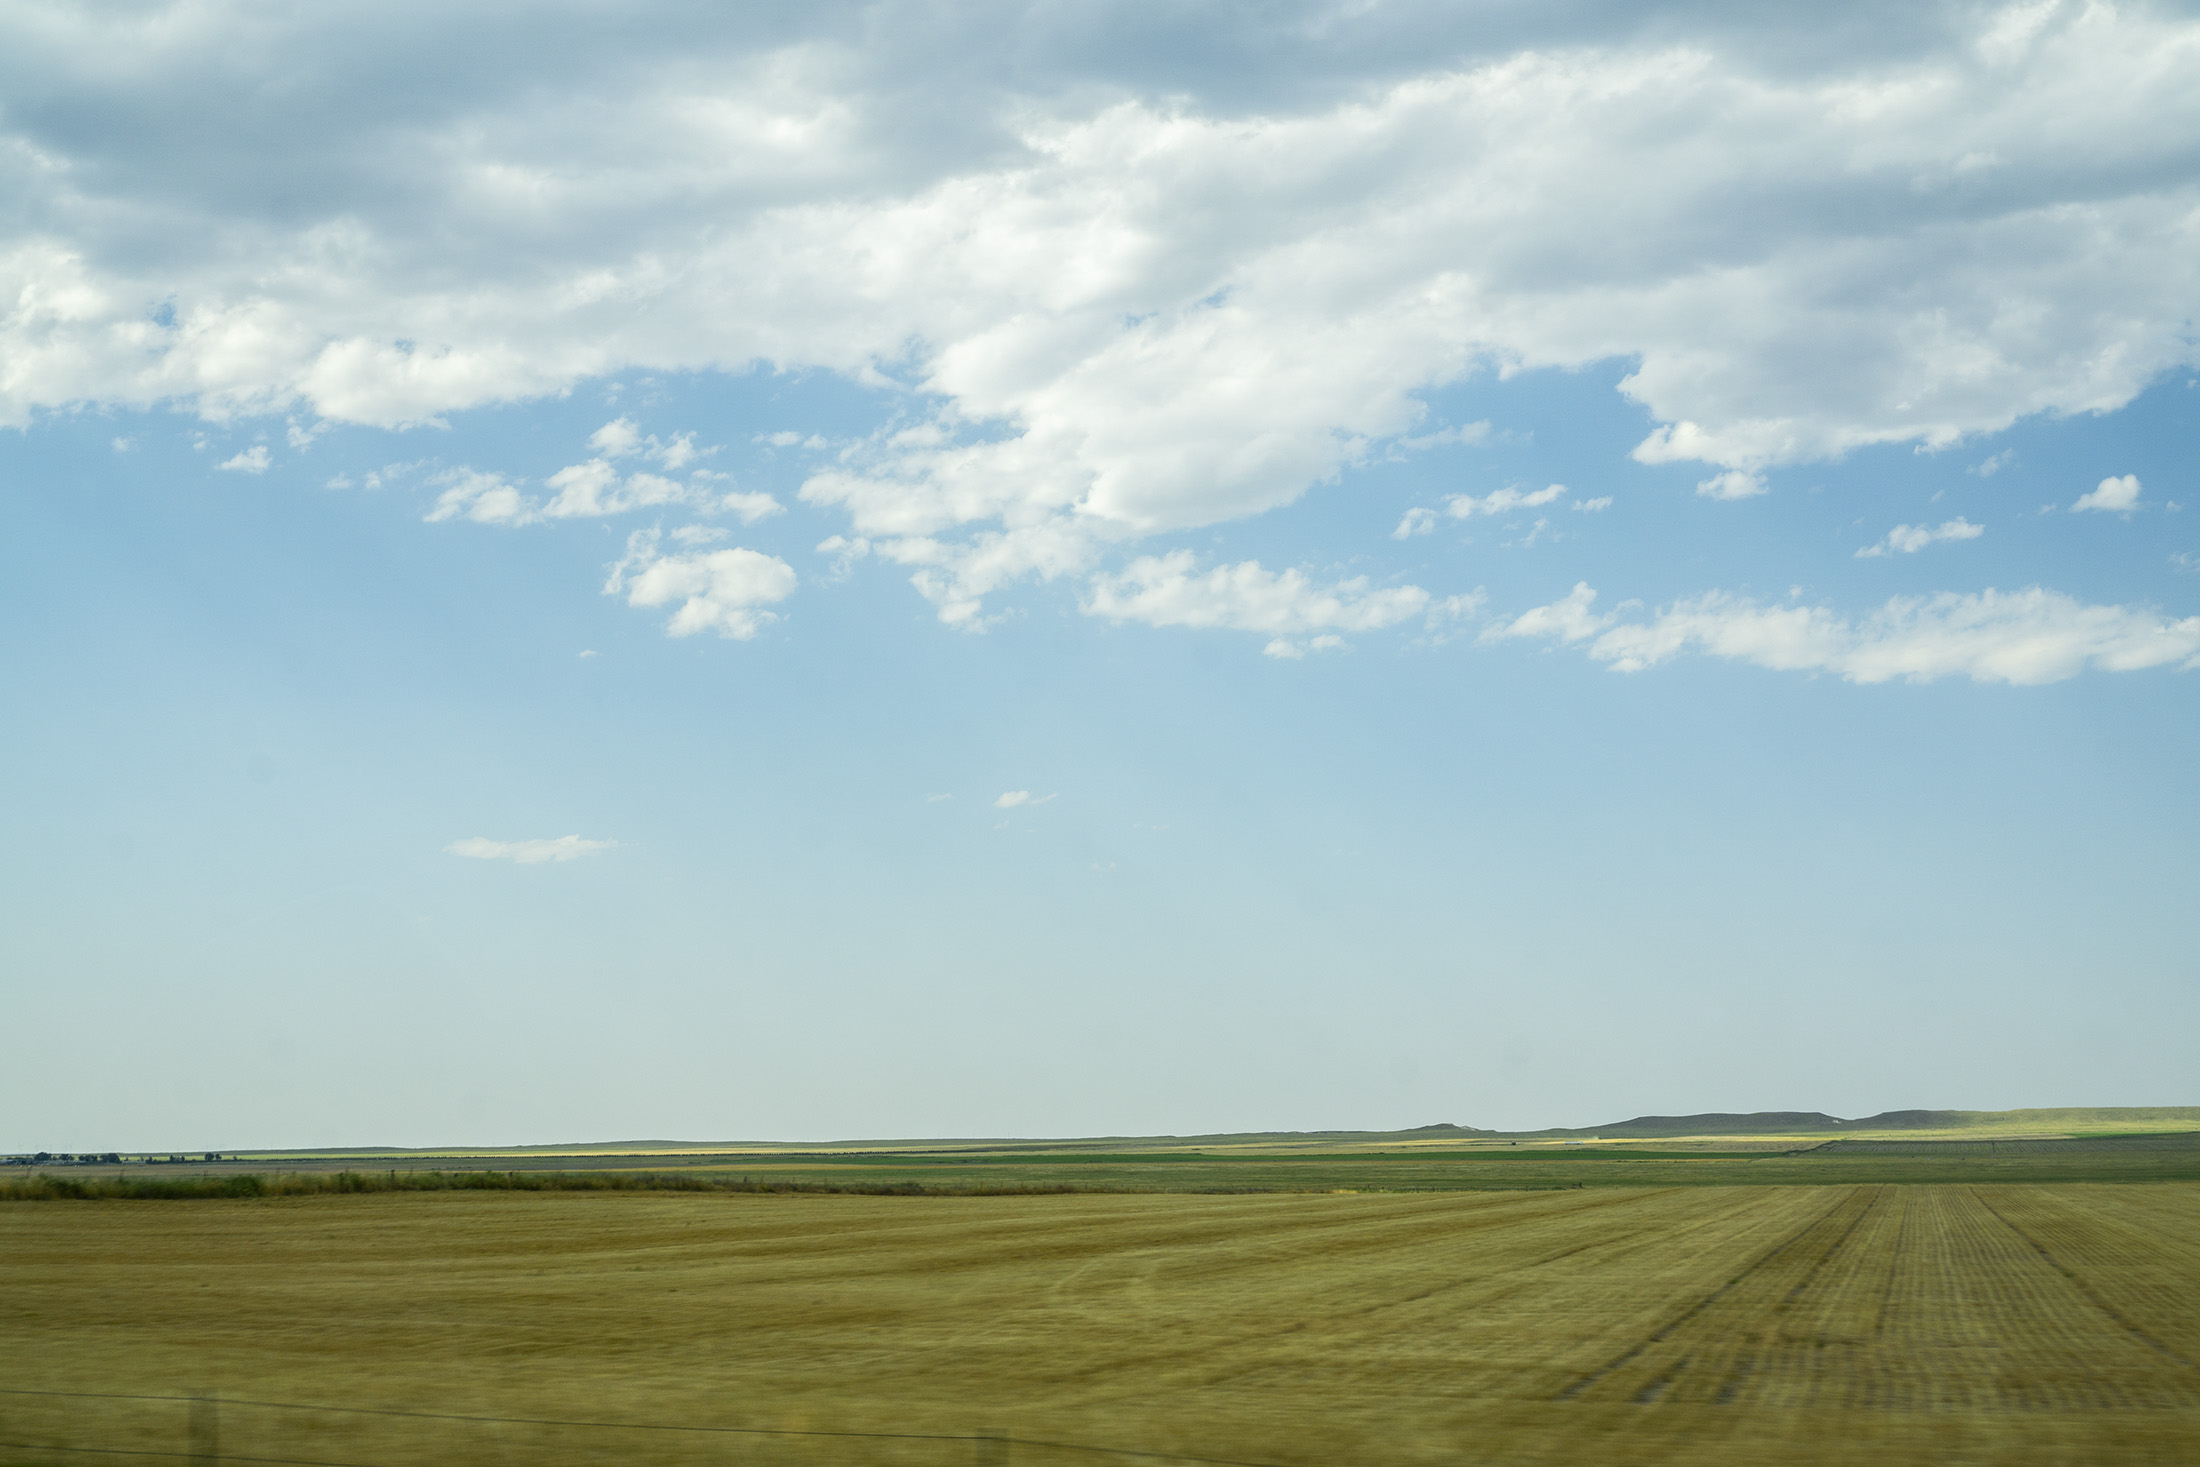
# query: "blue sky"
894 571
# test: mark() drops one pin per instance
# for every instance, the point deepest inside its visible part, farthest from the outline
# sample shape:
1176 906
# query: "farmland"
1843 1321
1990 1148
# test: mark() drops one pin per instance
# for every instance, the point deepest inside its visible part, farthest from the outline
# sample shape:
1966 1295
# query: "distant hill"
2066 1121
1814 1122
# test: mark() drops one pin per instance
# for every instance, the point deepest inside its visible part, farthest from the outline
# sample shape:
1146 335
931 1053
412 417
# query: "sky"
1029 569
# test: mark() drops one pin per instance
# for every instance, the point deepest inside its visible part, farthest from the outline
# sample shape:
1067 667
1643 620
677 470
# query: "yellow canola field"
1872 1324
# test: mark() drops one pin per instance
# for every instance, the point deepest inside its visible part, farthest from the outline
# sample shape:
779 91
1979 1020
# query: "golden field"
1796 1324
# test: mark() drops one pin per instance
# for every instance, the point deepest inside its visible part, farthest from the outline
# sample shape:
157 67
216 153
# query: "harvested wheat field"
1880 1324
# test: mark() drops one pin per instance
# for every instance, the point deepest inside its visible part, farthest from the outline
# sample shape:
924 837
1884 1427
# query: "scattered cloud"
1417 521
1909 539
486 499
254 460
1733 484
2025 637
786 439
1170 591
750 507
1285 648
621 438
937 799
1569 619
2116 496
1012 799
528 852
1986 468
1502 501
1396 218
1463 434
1593 506
723 591
599 487
845 553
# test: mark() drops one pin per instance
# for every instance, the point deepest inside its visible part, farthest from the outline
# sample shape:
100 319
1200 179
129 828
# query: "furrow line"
1665 1331
2085 1288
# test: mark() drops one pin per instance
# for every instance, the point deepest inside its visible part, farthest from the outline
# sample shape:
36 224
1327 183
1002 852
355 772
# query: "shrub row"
43 1187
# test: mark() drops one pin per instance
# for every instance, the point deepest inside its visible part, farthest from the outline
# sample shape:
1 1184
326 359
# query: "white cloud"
748 508
1140 299
253 460
1594 506
2026 637
598 487
1463 433
528 852
725 591
488 499
1417 521
1501 501
622 438
1569 619
616 438
1169 591
2116 496
1909 539
1011 799
1285 648
1733 484
1993 464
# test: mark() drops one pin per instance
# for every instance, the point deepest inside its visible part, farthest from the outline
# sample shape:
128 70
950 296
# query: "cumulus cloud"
1133 294
2119 495
253 460
1417 521
528 852
2026 637
1909 539
723 591
487 499
599 487
1733 484
1170 591
1285 648
1501 501
1569 619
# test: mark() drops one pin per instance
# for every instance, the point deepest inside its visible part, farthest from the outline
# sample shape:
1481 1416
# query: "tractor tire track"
1666 1331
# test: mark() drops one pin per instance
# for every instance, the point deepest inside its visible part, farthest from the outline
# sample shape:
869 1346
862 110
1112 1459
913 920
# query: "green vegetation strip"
313 1184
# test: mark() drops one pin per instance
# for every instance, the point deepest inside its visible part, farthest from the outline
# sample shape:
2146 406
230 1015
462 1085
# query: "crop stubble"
1849 1323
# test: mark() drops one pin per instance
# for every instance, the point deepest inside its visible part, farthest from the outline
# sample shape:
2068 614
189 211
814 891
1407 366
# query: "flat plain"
1845 1322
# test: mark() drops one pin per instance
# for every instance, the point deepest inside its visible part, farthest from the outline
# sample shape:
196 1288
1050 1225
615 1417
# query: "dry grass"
1876 1324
